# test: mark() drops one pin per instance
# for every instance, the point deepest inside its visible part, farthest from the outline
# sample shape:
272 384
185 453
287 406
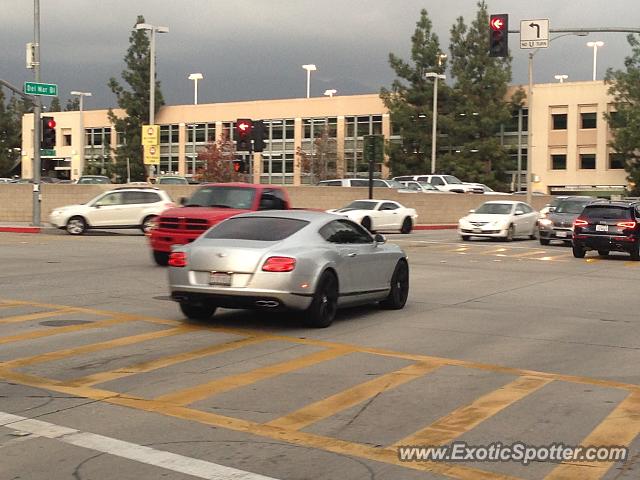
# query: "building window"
559 121
97 144
588 120
279 151
355 129
616 161
588 161
559 162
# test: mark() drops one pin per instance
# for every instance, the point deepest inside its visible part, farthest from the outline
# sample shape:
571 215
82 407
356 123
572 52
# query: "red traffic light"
244 127
51 123
236 166
497 23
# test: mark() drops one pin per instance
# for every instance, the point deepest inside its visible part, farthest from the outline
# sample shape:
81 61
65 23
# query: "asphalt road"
101 377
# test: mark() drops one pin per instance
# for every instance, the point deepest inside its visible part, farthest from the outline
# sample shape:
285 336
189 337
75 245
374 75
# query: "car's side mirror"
552 209
183 201
378 238
519 212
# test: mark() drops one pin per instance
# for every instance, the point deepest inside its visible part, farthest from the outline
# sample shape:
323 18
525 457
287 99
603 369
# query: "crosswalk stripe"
463 419
209 389
353 396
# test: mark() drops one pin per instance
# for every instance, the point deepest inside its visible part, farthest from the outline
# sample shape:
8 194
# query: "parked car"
93 180
550 206
378 215
487 190
557 224
608 226
446 183
419 187
499 219
6 180
209 205
300 260
123 207
359 182
171 180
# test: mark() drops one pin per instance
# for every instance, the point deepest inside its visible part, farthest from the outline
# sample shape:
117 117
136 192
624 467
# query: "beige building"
570 151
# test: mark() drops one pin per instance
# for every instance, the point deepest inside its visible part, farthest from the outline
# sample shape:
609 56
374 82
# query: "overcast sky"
254 49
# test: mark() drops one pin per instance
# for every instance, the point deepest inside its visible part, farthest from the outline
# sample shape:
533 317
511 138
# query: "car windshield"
361 205
265 229
173 181
427 186
571 206
94 180
395 184
495 208
451 179
224 197
608 212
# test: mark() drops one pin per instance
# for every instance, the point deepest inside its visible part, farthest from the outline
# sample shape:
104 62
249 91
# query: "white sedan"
500 219
377 215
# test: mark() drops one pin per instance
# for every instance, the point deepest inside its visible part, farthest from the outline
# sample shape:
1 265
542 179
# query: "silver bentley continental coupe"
307 261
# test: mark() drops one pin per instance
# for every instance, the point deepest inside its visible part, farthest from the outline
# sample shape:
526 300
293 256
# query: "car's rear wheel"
578 252
366 223
399 291
407 226
147 223
324 305
544 241
76 226
603 253
161 258
197 312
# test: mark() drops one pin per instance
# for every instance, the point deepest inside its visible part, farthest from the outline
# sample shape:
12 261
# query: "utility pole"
37 109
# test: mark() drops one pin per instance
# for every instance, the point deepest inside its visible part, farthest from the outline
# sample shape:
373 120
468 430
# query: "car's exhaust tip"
267 303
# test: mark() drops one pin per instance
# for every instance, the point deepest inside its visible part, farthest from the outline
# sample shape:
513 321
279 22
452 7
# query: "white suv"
123 207
446 183
359 182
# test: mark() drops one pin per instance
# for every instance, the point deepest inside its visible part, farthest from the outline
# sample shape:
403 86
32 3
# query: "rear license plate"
477 230
602 228
561 234
220 279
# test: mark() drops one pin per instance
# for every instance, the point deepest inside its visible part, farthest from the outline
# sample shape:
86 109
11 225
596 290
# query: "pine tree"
410 100
135 103
477 107
10 132
73 105
55 105
624 86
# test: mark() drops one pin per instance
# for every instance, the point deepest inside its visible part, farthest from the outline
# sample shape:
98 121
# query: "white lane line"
139 453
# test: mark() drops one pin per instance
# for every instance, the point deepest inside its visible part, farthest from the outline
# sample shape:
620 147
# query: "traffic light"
48 141
499 35
244 126
239 166
260 134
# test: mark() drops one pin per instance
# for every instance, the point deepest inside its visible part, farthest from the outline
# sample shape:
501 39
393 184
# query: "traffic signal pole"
37 109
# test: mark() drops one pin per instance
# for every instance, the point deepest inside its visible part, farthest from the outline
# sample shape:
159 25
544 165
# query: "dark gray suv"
558 223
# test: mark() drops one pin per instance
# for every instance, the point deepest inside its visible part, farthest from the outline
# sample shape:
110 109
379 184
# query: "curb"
21 229
447 226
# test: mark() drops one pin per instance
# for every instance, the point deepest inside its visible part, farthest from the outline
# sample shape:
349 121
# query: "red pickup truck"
209 205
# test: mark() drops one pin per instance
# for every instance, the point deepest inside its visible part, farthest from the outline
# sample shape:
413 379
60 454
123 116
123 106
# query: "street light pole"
434 127
153 29
37 109
81 96
561 78
595 46
309 68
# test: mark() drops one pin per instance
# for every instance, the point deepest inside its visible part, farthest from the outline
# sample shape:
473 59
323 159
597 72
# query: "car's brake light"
279 264
579 222
177 259
626 224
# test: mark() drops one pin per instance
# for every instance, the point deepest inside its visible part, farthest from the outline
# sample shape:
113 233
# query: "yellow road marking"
631 264
103 377
463 419
494 251
353 396
618 429
592 260
209 389
36 316
96 347
528 254
385 455
9 304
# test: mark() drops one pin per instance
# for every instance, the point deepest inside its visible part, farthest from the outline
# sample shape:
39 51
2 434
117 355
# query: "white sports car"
378 215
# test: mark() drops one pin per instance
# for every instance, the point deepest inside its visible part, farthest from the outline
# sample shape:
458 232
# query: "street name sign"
46 89
534 33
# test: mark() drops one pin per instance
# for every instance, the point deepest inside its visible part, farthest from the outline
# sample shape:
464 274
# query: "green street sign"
373 148
47 152
47 89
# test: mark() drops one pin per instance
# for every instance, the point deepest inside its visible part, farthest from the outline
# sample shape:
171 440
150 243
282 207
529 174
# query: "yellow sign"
151 155
150 135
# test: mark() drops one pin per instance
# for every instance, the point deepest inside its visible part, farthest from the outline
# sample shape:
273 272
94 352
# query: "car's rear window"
571 206
266 229
607 212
